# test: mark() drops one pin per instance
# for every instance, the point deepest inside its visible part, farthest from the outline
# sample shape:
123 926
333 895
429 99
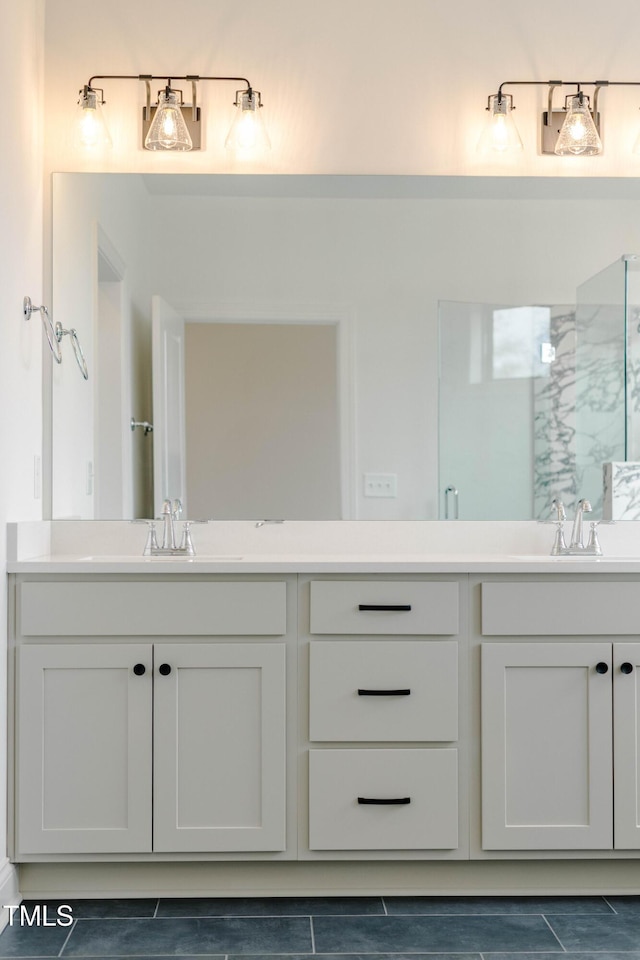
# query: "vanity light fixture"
170 124
569 131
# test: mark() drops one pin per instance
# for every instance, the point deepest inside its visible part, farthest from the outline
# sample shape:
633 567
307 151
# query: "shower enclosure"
607 400
542 402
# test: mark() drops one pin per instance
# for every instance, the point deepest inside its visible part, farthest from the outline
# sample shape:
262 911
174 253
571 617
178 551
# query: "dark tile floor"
357 928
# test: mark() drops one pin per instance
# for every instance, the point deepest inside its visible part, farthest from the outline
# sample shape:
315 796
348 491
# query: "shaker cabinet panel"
560 608
375 607
219 728
152 609
84 748
546 746
383 690
626 742
389 799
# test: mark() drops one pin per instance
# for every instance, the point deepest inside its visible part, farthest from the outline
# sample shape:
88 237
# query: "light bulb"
248 134
168 130
578 135
90 132
500 134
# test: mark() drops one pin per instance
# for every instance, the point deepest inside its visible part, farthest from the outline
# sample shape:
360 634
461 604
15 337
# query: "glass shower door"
607 398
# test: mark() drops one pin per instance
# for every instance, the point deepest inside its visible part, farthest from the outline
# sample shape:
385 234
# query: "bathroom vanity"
323 721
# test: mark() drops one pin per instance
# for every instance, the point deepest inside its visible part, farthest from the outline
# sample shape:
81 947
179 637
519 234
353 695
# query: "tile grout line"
554 933
64 945
313 936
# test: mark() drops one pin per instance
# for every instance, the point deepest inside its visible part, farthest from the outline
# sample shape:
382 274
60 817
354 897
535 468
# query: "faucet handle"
558 507
186 543
176 508
593 546
152 541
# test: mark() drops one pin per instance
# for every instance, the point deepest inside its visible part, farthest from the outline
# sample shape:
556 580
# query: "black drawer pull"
139 669
602 667
626 667
164 669
401 607
383 801
385 693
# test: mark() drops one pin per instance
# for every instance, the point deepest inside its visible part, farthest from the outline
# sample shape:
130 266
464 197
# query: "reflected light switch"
381 485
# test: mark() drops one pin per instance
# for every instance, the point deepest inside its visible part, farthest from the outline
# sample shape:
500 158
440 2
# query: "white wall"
349 86
21 72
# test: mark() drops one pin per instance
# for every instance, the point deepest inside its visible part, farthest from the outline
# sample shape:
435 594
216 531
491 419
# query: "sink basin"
568 558
129 558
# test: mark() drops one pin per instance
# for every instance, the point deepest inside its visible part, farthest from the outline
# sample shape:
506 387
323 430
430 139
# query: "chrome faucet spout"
577 542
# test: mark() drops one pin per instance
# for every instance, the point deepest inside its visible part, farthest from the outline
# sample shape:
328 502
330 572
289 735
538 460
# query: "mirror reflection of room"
375 263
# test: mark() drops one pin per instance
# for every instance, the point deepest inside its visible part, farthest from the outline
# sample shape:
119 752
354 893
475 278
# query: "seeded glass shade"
500 134
90 130
248 134
168 131
578 135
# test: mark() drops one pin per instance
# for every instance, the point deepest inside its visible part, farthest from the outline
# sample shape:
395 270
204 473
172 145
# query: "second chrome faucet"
577 546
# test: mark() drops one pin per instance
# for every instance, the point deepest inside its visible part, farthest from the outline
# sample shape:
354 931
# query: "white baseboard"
9 890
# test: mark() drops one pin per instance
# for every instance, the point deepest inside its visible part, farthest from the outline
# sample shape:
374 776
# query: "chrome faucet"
576 546
171 510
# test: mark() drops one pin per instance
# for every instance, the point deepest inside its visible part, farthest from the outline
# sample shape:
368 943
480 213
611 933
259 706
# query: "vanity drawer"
152 608
547 608
427 778
384 607
383 690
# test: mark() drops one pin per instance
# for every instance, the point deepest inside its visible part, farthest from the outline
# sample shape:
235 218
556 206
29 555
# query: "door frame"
341 316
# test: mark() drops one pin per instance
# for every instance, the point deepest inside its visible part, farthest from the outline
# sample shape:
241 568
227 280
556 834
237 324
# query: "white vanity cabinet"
172 745
560 753
383 756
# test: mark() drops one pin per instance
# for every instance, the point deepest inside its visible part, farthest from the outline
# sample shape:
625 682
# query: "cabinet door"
219 747
626 726
84 748
546 746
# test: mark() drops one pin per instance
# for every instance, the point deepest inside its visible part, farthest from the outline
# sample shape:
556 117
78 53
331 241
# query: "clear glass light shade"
500 134
248 134
168 130
90 130
578 135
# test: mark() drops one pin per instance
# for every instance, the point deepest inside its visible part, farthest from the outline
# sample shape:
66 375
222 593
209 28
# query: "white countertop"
240 547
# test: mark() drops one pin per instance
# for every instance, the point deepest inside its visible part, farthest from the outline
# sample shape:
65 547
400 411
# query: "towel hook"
54 344
55 334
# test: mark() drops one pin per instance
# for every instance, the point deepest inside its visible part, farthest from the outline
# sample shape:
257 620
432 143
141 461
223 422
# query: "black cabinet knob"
164 669
602 667
139 669
626 667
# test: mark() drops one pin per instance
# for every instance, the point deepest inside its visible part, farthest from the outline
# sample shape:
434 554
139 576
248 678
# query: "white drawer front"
383 690
150 608
337 778
384 607
560 609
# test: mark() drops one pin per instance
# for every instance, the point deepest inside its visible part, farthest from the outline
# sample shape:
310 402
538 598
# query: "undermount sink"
565 558
115 558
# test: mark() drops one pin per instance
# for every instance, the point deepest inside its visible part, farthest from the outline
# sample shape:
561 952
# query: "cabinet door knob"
139 669
602 667
164 669
626 667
